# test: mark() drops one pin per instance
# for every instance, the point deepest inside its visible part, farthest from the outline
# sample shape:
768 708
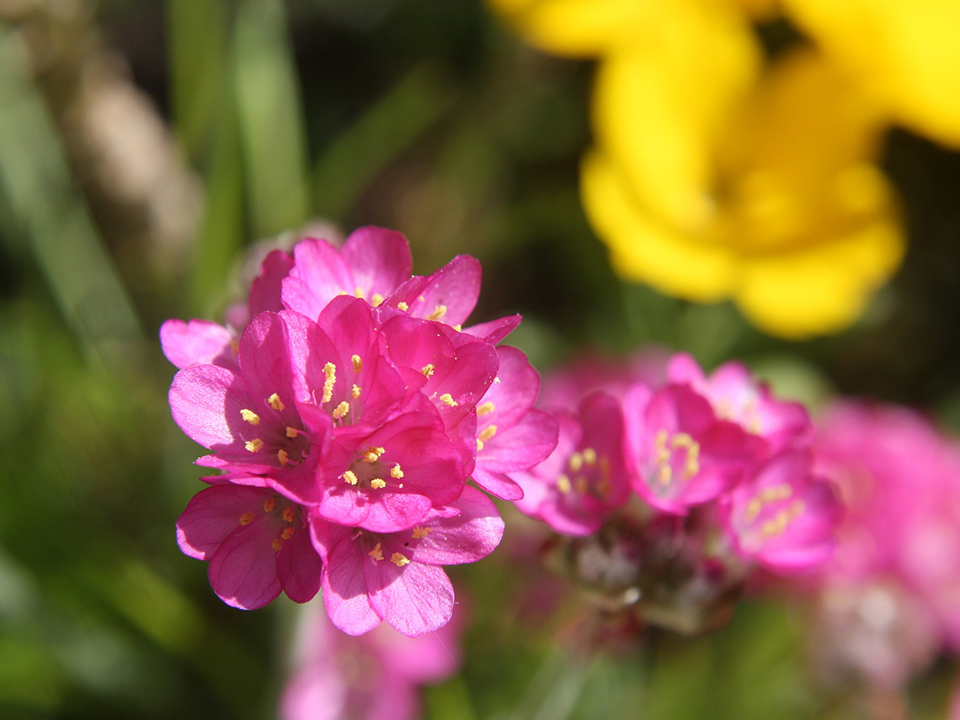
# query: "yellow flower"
718 176
905 53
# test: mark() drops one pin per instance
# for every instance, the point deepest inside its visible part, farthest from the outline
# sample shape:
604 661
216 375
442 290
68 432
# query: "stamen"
378 484
485 409
376 300
287 533
399 560
438 312
246 518
488 432
253 445
665 475
275 402
589 456
575 462
396 472
330 375
373 454
235 346
458 327
355 392
402 306
581 484
276 544
358 292
350 477
421 532
563 484
447 399
282 456
479 444
340 410
292 432
428 369
250 416
288 514
376 553
357 363
269 504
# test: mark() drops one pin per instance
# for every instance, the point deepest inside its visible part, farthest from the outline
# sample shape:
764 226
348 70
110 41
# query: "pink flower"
679 453
782 516
397 577
580 484
373 677
511 435
256 541
737 397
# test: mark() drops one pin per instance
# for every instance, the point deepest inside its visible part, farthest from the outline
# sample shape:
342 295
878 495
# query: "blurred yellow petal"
574 27
660 107
646 250
824 288
905 52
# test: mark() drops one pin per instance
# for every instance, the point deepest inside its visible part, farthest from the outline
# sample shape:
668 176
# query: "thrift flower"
397 577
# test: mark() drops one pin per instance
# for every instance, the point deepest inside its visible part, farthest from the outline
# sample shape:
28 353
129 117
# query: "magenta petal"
497 484
344 585
465 538
243 571
522 446
206 401
265 291
414 600
379 260
212 514
197 342
299 567
515 391
495 330
454 288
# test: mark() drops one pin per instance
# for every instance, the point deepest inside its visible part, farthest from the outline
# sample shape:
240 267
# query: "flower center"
676 456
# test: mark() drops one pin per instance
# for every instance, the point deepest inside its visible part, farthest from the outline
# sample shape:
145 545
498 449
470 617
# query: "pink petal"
299 567
379 260
465 538
414 600
495 330
266 289
212 514
205 401
243 571
197 342
344 585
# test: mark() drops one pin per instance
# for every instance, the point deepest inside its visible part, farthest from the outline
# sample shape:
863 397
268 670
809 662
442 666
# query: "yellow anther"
376 300
438 312
269 504
428 369
287 533
330 378
589 456
350 477
458 327
282 456
396 472
288 514
753 509
402 306
664 475
253 445
276 544
447 399
775 492
485 409
357 363
488 432
399 560
682 440
340 410
246 518
275 402
575 462
421 532
563 484
235 346
355 392
660 439
378 484
581 484
358 292
376 553
479 444
373 454
250 416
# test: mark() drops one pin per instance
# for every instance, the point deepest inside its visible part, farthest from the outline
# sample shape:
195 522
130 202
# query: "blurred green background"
145 146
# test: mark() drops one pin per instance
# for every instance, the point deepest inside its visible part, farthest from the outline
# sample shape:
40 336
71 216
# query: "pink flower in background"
373 677
782 516
679 453
584 480
257 543
398 577
736 396
900 480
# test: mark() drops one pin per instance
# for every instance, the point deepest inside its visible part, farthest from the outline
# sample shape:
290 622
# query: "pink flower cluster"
713 465
346 418
890 600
